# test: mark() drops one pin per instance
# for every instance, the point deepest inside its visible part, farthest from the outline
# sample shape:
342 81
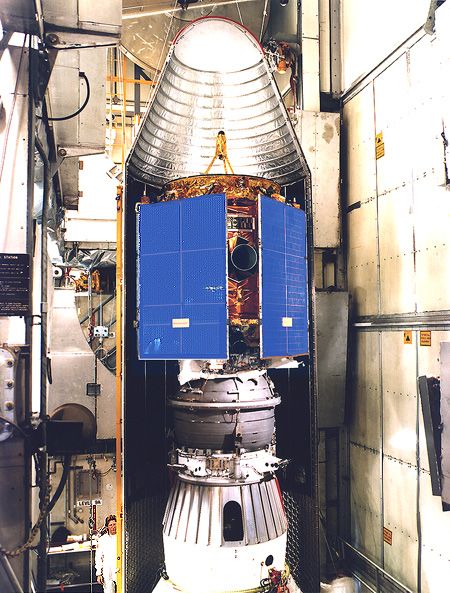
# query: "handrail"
378 572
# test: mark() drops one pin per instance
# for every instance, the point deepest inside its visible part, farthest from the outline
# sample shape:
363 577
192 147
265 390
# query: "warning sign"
407 337
425 338
387 535
379 146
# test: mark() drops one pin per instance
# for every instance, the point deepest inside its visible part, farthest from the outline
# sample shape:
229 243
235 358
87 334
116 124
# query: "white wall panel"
310 74
319 135
426 80
310 55
362 258
399 397
392 106
432 229
365 502
360 147
324 46
400 502
392 119
95 219
427 148
435 540
365 422
396 252
405 207
372 30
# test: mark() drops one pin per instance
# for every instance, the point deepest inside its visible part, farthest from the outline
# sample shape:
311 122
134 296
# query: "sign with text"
14 284
425 338
387 535
88 503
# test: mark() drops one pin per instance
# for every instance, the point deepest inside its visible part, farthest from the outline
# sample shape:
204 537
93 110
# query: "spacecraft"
222 288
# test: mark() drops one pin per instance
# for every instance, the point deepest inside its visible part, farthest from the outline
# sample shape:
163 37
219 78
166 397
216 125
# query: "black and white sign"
88 503
14 284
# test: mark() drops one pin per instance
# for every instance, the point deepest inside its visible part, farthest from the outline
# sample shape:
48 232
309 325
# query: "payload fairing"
222 288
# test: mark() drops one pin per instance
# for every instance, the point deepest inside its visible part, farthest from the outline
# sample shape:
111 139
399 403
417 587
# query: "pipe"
43 478
8 579
28 475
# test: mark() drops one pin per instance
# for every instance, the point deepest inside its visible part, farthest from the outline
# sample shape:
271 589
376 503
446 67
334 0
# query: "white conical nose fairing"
216 78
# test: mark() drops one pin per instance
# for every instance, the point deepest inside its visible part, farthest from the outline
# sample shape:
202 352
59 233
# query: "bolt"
62 151
9 384
9 362
9 406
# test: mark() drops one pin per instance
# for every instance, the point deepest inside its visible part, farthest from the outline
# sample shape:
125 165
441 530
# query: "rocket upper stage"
216 78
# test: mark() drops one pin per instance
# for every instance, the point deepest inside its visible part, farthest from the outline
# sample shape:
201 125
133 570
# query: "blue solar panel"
182 282
284 298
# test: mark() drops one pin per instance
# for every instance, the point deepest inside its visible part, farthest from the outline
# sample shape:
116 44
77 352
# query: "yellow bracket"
221 153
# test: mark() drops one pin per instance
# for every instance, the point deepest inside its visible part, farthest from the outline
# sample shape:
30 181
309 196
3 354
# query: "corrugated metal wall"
398 223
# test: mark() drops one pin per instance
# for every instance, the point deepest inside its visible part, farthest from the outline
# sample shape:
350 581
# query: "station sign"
14 284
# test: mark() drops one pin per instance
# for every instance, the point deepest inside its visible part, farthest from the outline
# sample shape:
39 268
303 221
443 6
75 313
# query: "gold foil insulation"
238 186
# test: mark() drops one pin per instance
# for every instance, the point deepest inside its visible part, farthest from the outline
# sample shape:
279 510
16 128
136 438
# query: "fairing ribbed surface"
263 514
216 78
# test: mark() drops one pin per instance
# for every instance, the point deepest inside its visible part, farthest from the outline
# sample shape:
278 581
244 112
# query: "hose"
78 111
62 483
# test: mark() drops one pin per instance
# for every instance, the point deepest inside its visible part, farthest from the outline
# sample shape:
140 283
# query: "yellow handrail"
119 464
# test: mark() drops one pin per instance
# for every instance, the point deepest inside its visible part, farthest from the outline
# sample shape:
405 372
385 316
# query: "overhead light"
284 2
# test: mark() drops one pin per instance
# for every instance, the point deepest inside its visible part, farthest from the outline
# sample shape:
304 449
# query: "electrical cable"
264 14
85 46
78 111
62 483
239 12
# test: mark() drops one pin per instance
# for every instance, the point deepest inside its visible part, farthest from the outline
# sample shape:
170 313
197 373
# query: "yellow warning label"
407 337
387 535
379 146
425 338
180 323
286 322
